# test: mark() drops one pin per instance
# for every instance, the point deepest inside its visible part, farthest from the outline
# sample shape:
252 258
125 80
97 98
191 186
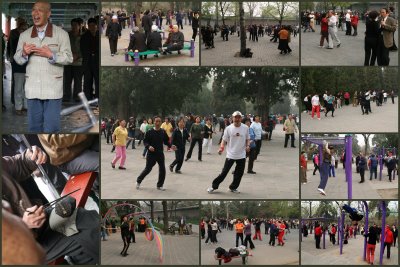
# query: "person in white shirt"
236 138
257 127
332 30
142 130
315 106
384 97
348 22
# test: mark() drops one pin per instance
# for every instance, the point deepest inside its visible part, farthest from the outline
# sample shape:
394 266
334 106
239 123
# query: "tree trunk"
222 13
152 210
138 8
243 36
165 219
216 13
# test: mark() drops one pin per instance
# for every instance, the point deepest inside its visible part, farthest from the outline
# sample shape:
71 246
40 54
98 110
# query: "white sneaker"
161 188
234 191
210 190
137 186
321 191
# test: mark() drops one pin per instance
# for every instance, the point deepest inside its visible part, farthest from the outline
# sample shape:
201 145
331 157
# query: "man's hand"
27 49
36 155
34 217
220 150
151 149
43 51
247 148
173 147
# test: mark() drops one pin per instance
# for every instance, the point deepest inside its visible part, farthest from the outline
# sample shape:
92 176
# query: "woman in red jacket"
281 227
324 30
388 240
318 234
354 23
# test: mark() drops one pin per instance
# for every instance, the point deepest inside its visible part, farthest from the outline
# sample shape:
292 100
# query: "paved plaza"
266 53
168 60
350 52
12 123
263 254
277 174
337 186
178 250
350 119
352 253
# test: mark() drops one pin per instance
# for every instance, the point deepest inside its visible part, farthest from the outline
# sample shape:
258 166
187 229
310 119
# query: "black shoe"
186 159
338 45
360 182
178 171
121 168
113 165
200 160
251 172
171 168
293 146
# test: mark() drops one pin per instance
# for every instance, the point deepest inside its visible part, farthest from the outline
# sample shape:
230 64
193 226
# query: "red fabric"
303 162
318 230
354 20
317 110
370 253
324 25
347 95
388 235
333 230
202 225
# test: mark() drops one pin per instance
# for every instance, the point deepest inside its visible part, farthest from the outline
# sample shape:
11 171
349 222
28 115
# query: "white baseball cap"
237 113
114 17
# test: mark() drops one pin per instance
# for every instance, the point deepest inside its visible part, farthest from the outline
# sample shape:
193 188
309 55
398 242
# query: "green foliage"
385 140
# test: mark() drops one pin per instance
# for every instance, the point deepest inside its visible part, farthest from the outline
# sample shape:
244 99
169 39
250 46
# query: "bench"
243 257
189 45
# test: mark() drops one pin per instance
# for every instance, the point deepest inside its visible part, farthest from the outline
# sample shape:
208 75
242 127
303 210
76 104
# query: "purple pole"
341 233
136 57
301 230
365 229
380 164
383 207
349 171
323 239
320 156
192 48
126 55
338 231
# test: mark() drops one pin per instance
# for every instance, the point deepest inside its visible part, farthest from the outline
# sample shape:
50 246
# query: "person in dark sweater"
113 33
372 238
195 25
153 141
137 42
125 235
196 136
154 41
179 138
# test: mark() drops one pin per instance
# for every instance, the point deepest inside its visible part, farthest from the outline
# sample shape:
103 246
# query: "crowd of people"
278 33
76 62
275 228
350 231
175 133
328 102
379 34
151 23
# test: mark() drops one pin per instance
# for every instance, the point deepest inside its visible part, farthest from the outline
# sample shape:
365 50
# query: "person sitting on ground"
154 41
175 41
137 42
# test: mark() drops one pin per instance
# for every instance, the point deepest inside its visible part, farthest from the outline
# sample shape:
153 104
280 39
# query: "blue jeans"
44 115
324 172
332 170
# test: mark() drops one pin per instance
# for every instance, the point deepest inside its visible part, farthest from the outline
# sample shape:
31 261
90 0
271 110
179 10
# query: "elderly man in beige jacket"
45 48
290 128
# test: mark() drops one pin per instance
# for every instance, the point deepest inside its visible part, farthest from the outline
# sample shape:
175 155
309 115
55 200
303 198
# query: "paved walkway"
266 53
263 254
178 250
350 53
350 119
337 186
12 123
276 178
352 253
170 60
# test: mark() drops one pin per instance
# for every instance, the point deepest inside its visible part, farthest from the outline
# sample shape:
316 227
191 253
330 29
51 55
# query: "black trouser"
209 234
72 73
333 239
317 241
388 245
179 23
151 160
258 147
132 236
91 73
109 136
354 30
237 176
192 144
194 33
125 239
113 45
316 168
248 239
203 233
239 235
329 107
252 157
382 53
370 47
271 240
373 170
362 173
269 134
214 236
348 28
287 139
179 156
391 171
131 133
